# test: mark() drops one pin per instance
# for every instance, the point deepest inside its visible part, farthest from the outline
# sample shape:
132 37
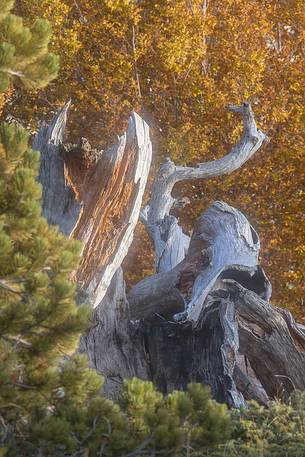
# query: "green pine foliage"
39 322
24 54
274 431
85 424
183 423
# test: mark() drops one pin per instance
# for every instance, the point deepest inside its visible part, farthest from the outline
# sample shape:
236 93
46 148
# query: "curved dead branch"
252 138
170 244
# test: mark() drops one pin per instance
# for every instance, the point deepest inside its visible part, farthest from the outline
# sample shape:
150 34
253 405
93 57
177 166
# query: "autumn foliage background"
180 63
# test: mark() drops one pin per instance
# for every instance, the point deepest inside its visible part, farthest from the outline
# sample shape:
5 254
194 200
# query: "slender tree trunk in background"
204 315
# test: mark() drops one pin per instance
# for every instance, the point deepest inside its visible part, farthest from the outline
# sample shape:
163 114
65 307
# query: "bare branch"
169 174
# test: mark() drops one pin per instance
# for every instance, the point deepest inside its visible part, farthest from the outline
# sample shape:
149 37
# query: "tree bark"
114 343
205 315
236 326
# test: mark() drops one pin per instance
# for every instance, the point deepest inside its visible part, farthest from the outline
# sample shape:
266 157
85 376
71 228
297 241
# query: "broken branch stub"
112 207
59 203
95 196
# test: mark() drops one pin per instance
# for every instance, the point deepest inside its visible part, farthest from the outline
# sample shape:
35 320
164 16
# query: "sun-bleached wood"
95 196
230 240
113 343
270 339
229 336
252 138
170 243
169 240
126 167
179 354
222 239
59 203
237 325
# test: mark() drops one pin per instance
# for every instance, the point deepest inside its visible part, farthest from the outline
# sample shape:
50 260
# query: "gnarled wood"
230 240
222 238
247 383
205 315
252 138
113 343
180 354
169 250
170 243
271 341
95 196
236 326
59 203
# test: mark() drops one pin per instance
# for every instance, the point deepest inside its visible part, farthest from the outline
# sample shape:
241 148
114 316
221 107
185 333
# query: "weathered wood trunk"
95 196
204 315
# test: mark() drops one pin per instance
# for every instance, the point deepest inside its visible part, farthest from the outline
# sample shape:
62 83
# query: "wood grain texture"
94 196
